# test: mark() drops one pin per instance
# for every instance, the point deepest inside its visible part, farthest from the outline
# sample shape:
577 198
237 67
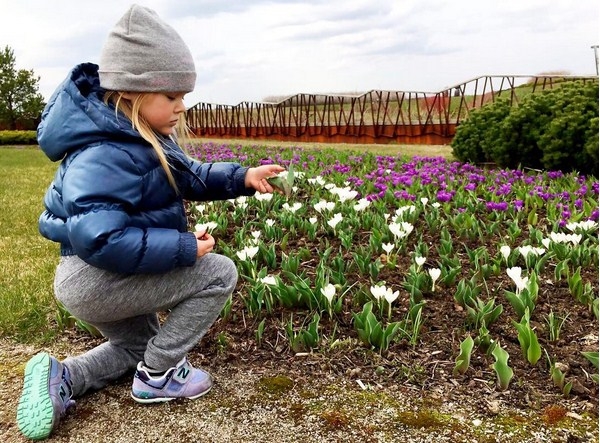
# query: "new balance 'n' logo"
183 373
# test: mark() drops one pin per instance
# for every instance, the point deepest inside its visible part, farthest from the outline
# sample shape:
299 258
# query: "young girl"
116 208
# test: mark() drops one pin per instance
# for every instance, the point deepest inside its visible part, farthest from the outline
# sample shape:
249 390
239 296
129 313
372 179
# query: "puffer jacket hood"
76 115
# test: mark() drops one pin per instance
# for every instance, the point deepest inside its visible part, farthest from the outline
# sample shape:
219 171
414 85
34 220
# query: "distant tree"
20 99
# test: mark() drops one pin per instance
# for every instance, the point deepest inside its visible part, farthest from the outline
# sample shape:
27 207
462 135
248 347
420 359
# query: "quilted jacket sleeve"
215 181
101 194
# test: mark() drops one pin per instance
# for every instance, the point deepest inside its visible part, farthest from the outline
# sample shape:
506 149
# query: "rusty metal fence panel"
376 116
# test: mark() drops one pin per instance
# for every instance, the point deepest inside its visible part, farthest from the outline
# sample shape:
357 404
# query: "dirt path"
296 403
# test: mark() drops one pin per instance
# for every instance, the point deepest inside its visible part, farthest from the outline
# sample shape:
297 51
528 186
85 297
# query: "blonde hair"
132 110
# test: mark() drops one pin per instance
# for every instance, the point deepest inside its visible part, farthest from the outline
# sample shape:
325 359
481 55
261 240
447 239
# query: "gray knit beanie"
144 54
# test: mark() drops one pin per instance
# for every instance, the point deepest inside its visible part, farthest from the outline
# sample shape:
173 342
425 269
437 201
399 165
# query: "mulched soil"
428 366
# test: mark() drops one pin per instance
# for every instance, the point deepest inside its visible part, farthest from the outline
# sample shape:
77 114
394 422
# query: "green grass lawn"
27 259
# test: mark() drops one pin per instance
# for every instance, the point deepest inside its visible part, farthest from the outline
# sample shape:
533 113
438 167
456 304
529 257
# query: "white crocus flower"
436 204
505 251
263 197
292 208
401 230
585 225
318 180
546 242
434 273
378 292
251 251
515 274
420 261
362 204
407 227
313 220
391 296
324 205
247 253
424 200
344 194
270 222
575 238
200 208
397 230
208 226
528 249
387 247
559 237
255 235
405 209
328 292
269 280
337 217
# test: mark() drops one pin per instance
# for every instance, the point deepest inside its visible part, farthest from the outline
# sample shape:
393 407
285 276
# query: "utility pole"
595 48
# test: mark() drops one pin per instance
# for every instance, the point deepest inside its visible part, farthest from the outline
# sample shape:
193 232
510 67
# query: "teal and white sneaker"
46 396
180 381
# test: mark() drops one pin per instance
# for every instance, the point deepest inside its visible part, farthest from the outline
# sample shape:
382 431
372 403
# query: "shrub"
475 137
573 130
18 138
555 130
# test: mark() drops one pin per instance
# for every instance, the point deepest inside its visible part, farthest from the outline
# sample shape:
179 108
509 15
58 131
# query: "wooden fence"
376 116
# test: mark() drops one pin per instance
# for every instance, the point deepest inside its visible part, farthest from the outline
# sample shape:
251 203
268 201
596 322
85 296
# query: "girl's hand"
257 177
205 242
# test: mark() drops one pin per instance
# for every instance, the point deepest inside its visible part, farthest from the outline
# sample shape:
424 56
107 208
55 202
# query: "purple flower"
555 174
503 189
496 206
444 196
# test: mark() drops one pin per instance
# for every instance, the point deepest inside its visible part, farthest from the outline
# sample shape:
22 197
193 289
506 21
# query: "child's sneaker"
182 381
46 396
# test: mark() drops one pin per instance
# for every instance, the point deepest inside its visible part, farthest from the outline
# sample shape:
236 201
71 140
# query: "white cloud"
246 50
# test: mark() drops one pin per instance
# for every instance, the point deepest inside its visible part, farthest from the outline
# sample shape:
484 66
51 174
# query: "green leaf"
504 373
534 352
592 357
284 183
515 302
464 357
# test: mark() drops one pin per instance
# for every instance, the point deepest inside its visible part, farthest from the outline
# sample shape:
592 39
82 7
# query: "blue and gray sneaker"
46 396
181 381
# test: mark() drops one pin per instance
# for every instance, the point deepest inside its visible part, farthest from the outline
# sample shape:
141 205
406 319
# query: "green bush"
18 138
475 137
553 130
574 127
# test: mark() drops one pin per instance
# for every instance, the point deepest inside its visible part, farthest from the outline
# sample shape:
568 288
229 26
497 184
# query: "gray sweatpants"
124 308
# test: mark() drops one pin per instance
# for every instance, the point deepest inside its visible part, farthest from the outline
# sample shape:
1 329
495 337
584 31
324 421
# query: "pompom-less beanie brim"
155 81
144 54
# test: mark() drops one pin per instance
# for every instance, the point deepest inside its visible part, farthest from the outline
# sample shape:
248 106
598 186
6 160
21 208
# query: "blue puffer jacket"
110 202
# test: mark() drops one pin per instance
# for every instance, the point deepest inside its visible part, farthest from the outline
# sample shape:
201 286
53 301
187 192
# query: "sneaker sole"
165 399
35 414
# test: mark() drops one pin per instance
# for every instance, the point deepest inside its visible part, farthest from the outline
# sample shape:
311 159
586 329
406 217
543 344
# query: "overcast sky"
247 50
